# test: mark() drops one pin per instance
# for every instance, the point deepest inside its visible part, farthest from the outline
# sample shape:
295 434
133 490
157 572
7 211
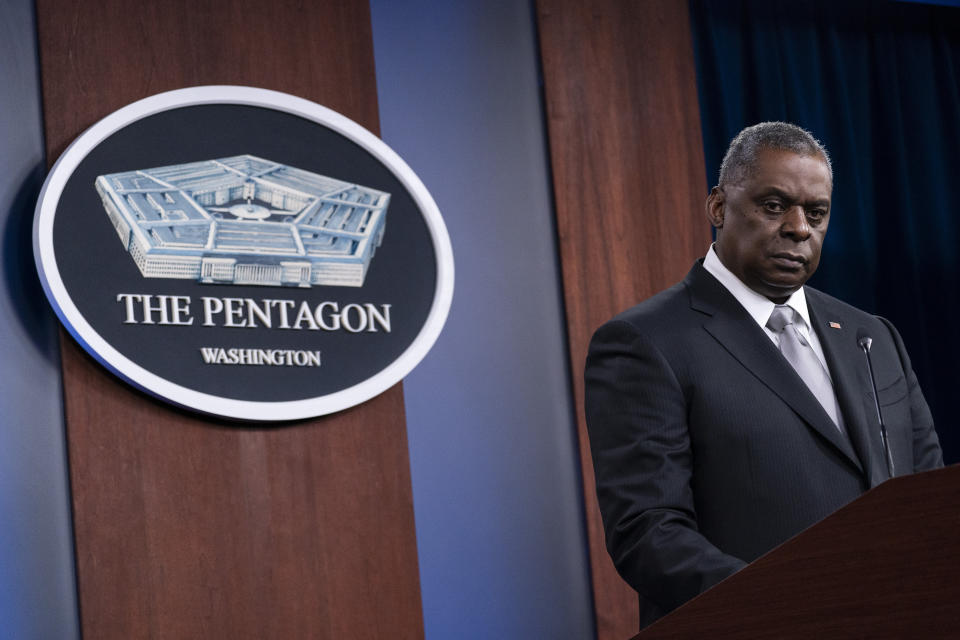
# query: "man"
735 409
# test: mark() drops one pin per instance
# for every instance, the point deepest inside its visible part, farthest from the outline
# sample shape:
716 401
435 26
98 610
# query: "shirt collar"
756 305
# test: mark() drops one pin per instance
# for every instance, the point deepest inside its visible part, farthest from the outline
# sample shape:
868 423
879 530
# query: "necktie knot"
781 316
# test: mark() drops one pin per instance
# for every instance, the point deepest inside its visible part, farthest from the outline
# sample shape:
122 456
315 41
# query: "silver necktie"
804 360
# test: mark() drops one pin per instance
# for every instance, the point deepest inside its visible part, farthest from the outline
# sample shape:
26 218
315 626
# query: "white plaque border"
182 396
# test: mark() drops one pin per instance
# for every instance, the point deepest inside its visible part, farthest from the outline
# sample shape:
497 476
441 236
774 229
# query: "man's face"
771 224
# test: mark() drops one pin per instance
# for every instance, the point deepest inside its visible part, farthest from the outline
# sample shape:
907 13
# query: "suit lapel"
848 369
731 325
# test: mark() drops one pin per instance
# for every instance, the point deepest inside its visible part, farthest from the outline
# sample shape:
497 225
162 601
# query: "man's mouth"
790 260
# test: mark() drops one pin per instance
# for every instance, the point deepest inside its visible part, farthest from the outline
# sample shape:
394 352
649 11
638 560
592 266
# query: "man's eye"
816 214
773 206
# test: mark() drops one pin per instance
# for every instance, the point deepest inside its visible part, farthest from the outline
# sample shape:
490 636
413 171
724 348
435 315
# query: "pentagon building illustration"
245 220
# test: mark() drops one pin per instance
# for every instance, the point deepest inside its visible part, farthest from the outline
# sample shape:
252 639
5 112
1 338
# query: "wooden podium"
885 566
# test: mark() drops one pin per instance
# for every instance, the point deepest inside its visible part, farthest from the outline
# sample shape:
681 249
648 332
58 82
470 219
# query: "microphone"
865 342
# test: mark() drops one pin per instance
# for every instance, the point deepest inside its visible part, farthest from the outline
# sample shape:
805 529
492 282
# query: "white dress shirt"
760 307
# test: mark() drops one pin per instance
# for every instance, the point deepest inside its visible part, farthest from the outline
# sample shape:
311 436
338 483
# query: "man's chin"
779 290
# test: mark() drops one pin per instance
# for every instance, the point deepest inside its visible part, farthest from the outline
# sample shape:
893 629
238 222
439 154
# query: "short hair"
741 156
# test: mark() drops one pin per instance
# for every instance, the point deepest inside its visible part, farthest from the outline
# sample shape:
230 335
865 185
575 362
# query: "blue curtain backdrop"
878 83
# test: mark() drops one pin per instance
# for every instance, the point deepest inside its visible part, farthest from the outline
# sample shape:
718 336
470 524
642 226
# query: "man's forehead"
789 169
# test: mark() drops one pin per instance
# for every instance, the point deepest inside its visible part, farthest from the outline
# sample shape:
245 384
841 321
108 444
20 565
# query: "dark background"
95 267
878 82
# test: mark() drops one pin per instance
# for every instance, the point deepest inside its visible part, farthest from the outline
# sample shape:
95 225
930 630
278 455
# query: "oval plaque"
243 253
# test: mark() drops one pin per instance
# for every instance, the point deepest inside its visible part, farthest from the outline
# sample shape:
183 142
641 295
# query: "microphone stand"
865 343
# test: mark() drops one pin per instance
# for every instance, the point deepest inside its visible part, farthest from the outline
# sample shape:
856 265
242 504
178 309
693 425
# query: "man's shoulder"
661 308
662 319
659 323
671 313
829 309
822 303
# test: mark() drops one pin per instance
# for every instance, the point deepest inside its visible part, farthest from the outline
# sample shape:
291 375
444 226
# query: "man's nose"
794 224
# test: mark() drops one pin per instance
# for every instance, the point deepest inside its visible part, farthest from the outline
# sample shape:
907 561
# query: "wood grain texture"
629 184
883 567
188 527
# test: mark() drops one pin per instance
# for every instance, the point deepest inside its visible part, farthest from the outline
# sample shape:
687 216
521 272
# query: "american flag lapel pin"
834 325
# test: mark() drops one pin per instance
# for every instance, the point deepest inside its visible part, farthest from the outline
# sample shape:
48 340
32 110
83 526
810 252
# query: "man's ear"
715 207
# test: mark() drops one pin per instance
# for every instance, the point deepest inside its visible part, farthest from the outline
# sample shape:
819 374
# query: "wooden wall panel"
629 184
188 527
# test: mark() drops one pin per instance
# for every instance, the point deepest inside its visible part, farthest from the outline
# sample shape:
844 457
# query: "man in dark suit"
735 409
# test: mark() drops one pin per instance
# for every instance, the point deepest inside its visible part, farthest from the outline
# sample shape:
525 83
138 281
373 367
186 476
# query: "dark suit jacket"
708 448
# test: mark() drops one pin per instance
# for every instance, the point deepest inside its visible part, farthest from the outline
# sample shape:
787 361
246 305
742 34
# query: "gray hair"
741 156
